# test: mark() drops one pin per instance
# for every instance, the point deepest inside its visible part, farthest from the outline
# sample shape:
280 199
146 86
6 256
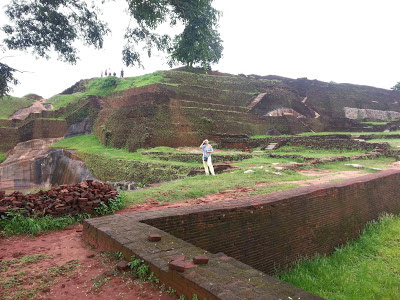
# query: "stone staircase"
271 146
256 101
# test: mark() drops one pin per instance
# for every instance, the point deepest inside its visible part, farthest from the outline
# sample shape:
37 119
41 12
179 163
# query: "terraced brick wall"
9 138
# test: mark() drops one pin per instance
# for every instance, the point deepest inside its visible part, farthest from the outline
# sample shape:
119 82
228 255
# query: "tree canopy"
42 26
396 87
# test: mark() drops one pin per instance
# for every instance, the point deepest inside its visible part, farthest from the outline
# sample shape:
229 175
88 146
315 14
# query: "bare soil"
70 269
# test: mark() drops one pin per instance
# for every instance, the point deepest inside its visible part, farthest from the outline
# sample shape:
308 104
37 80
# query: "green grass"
316 152
367 268
59 101
260 136
394 143
16 224
9 105
200 186
380 163
2 157
90 144
331 133
374 123
349 133
13 223
105 86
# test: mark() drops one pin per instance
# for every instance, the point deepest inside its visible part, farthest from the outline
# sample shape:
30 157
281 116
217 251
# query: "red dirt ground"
94 276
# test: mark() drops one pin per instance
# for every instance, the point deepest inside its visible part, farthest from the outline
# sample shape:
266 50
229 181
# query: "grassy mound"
9 105
104 86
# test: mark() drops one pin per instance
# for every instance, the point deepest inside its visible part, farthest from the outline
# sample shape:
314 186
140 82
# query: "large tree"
42 26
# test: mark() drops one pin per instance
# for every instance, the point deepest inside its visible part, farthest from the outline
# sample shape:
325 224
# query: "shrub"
113 205
109 82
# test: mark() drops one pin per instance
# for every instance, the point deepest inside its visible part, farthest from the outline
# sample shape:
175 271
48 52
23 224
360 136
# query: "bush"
109 82
113 205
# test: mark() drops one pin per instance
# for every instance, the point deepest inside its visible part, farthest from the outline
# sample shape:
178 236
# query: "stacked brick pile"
65 199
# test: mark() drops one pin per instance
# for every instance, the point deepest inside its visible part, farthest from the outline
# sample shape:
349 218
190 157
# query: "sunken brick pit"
246 240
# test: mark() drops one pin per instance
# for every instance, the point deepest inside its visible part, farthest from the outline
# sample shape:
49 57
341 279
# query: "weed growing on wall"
2 157
141 271
138 268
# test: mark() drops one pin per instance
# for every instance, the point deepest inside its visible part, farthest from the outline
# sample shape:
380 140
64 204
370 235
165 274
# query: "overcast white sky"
349 41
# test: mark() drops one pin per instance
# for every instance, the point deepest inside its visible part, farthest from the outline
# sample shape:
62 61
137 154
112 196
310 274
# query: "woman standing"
207 163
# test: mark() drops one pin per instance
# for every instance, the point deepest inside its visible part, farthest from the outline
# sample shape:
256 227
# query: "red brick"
180 265
154 237
123 265
200 260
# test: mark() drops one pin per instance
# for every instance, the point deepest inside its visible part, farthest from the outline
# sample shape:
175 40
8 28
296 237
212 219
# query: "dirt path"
70 269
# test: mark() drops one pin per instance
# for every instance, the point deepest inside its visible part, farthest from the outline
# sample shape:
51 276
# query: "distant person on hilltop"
114 74
207 163
105 73
122 73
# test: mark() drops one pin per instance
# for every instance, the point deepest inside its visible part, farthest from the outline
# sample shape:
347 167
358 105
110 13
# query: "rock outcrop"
81 128
32 164
371 114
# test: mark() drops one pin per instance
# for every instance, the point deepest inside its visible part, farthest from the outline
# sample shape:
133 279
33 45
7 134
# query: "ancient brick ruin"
66 199
248 239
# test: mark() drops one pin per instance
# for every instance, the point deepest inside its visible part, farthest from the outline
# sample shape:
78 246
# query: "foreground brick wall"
270 231
240 236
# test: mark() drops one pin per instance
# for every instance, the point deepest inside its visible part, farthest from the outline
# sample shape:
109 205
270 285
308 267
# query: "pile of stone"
75 199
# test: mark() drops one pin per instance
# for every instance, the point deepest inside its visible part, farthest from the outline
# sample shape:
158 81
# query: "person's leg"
209 163
206 167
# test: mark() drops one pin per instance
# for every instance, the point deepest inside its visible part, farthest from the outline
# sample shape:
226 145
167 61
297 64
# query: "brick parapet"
222 277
